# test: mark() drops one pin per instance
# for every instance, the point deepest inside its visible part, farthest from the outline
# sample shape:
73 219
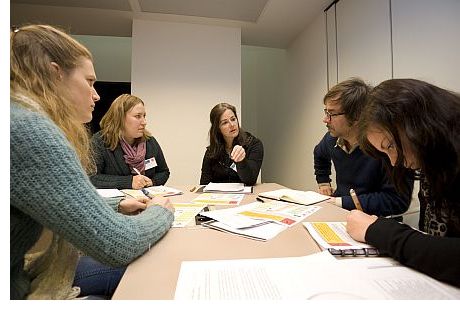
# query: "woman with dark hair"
233 155
415 125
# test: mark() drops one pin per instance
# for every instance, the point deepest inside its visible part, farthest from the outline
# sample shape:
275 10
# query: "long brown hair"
429 117
216 139
32 79
112 124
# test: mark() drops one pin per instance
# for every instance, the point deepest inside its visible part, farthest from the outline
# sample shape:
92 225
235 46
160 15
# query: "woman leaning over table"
233 155
124 145
416 125
54 209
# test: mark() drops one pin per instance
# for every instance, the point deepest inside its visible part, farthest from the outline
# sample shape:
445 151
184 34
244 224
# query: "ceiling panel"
119 5
242 10
270 23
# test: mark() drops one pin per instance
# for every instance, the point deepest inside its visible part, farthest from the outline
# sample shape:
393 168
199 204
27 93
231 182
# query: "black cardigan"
436 253
114 172
218 169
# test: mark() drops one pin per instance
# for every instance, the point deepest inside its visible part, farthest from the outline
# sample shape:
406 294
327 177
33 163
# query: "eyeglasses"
330 115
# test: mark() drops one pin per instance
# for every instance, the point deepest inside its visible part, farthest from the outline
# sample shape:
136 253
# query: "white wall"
262 95
282 90
295 125
112 56
426 41
363 40
381 39
181 71
331 38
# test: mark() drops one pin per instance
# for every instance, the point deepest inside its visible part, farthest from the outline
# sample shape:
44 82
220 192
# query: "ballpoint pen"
144 191
137 171
260 199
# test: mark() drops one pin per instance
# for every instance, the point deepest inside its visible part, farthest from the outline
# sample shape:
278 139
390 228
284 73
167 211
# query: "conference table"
154 275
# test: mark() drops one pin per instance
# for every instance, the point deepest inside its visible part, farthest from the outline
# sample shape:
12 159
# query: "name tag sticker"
150 163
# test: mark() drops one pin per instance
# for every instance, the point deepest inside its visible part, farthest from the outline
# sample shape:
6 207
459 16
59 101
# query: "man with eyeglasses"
354 169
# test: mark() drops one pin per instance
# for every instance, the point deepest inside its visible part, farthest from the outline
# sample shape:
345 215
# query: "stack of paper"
227 188
259 221
295 196
219 199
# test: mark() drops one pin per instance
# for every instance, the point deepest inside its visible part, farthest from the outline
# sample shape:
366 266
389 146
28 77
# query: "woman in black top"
233 155
416 125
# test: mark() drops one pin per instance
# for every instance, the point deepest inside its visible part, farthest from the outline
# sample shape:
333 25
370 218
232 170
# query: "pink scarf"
134 155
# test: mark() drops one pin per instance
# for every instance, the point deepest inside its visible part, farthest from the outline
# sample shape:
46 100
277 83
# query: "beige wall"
262 93
426 41
363 40
181 71
295 121
112 57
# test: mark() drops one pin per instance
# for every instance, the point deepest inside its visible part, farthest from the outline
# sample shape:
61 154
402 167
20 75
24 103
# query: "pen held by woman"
140 180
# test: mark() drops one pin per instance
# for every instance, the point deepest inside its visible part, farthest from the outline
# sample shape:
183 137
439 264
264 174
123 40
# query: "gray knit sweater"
49 188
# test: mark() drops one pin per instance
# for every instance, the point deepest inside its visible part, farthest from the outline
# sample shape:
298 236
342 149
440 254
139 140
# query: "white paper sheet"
244 279
317 276
227 188
110 192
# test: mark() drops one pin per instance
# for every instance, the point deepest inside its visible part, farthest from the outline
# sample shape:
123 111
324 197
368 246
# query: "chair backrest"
411 216
259 177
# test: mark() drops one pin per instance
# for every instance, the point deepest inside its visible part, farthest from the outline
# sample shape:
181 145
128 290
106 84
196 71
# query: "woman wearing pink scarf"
124 146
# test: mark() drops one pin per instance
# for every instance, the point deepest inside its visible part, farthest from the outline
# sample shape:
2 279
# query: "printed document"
184 213
283 213
160 190
219 199
317 276
333 235
259 221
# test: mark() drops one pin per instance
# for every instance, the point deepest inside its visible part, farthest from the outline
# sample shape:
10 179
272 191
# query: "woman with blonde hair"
127 155
54 209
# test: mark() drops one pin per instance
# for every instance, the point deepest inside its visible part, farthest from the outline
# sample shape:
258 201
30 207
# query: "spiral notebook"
333 237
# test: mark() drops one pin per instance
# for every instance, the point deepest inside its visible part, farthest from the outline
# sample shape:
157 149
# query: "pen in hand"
144 191
355 200
137 171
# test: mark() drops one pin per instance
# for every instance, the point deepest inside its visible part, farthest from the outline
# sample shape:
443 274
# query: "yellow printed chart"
184 213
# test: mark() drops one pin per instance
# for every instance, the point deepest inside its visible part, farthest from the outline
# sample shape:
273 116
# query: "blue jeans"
96 279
